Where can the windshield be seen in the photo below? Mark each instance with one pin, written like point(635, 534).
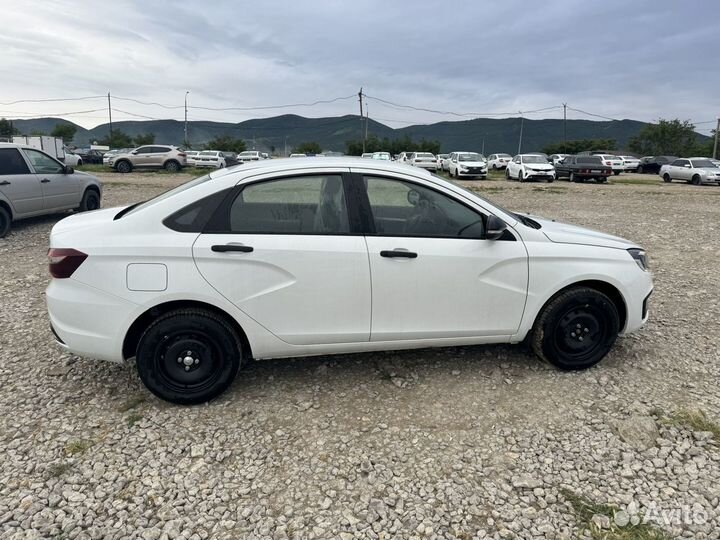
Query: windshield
point(139, 206)
point(423, 154)
point(470, 157)
point(248, 154)
point(208, 153)
point(534, 159)
point(505, 156)
point(703, 163)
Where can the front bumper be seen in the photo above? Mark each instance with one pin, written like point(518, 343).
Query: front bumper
point(472, 172)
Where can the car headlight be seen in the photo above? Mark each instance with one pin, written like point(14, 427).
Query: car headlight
point(640, 257)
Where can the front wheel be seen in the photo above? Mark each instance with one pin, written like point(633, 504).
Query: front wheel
point(188, 356)
point(616, 173)
point(576, 329)
point(667, 178)
point(123, 167)
point(695, 180)
point(5, 222)
point(507, 174)
point(640, 170)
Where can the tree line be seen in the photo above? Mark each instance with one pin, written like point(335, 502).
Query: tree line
point(394, 146)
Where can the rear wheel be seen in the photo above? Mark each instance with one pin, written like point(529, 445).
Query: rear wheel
point(188, 356)
point(640, 169)
point(576, 329)
point(616, 173)
point(90, 201)
point(5, 222)
point(123, 167)
point(667, 178)
point(601, 179)
point(172, 166)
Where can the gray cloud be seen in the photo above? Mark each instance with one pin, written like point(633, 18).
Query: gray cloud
point(644, 60)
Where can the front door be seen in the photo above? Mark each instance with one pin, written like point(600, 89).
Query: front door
point(433, 274)
point(60, 191)
point(18, 184)
point(284, 252)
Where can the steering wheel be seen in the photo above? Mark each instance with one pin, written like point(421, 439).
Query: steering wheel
point(466, 227)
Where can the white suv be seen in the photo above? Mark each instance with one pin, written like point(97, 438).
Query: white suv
point(285, 258)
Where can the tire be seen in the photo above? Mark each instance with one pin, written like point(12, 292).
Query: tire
point(172, 166)
point(90, 201)
point(188, 356)
point(602, 179)
point(667, 178)
point(494, 167)
point(520, 176)
point(640, 170)
point(5, 222)
point(79, 163)
point(555, 337)
point(507, 174)
point(616, 173)
point(695, 180)
point(550, 180)
point(123, 167)
point(572, 177)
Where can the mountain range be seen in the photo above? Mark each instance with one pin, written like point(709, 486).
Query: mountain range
point(273, 134)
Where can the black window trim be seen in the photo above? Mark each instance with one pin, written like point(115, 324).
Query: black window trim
point(219, 219)
point(369, 221)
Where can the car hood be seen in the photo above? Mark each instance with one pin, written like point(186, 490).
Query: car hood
point(709, 170)
point(539, 166)
point(472, 163)
point(564, 233)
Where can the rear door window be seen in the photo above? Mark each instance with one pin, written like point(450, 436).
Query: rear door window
point(12, 162)
point(42, 163)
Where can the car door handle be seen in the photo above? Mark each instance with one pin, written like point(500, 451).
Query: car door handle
point(223, 248)
point(44, 181)
point(398, 253)
point(5, 183)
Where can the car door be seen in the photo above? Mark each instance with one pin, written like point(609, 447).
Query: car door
point(157, 156)
point(562, 168)
point(286, 252)
point(433, 274)
point(60, 191)
point(18, 184)
point(681, 169)
point(514, 167)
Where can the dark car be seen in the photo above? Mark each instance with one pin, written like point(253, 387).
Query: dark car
point(230, 158)
point(581, 168)
point(90, 156)
point(652, 164)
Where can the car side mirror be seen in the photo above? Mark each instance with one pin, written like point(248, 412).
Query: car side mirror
point(67, 169)
point(495, 228)
point(134, 152)
point(687, 165)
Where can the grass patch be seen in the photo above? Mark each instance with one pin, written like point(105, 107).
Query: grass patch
point(58, 469)
point(638, 181)
point(134, 418)
point(584, 510)
point(77, 447)
point(550, 189)
point(131, 403)
point(696, 420)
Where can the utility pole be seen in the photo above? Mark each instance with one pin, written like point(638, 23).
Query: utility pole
point(286, 152)
point(367, 121)
point(717, 134)
point(564, 128)
point(483, 146)
point(360, 98)
point(186, 136)
point(522, 121)
point(110, 113)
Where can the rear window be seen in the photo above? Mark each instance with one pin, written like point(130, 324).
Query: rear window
point(11, 162)
point(139, 206)
point(590, 160)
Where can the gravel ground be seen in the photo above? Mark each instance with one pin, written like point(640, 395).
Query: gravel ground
point(476, 442)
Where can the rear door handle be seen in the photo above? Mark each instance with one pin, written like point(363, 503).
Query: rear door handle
point(398, 253)
point(5, 183)
point(44, 181)
point(223, 248)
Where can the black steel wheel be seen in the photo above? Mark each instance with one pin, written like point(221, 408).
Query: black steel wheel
point(576, 329)
point(5, 222)
point(188, 356)
point(667, 178)
point(696, 180)
point(90, 201)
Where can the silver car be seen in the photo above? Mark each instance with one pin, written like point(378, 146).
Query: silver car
point(697, 170)
point(32, 183)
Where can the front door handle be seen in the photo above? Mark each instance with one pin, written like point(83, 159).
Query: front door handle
point(44, 181)
point(398, 253)
point(223, 248)
point(5, 183)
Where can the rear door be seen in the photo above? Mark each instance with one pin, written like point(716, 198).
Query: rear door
point(433, 274)
point(286, 251)
point(18, 183)
point(60, 191)
point(158, 155)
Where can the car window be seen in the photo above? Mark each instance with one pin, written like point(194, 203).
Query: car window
point(402, 208)
point(143, 150)
point(42, 163)
point(300, 205)
point(702, 163)
point(12, 162)
point(160, 149)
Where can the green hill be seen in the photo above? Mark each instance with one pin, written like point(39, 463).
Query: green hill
point(500, 135)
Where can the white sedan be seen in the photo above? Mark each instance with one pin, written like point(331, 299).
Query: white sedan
point(499, 161)
point(630, 163)
point(423, 160)
point(467, 165)
point(210, 158)
point(287, 258)
point(525, 167)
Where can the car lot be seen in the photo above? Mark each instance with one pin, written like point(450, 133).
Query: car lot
point(458, 443)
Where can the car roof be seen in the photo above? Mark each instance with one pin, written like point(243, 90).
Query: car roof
point(15, 145)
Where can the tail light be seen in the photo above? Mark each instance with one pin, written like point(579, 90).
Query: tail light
point(181, 154)
point(63, 262)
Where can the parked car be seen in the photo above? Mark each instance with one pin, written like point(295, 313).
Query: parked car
point(367, 155)
point(298, 155)
point(71, 158)
point(235, 266)
point(210, 158)
point(110, 153)
point(630, 163)
point(499, 161)
point(249, 155)
point(33, 183)
point(445, 162)
point(652, 164)
point(524, 167)
point(155, 156)
point(424, 160)
point(190, 157)
point(231, 158)
point(557, 158)
point(696, 170)
point(403, 157)
point(440, 159)
point(614, 162)
point(467, 165)
point(90, 157)
point(581, 168)
point(383, 156)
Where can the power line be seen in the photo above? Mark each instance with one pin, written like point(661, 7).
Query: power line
point(49, 100)
point(286, 106)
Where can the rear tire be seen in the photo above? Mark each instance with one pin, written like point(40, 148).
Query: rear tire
point(640, 170)
point(5, 222)
point(616, 173)
point(188, 356)
point(90, 201)
point(172, 166)
point(123, 167)
point(667, 178)
point(576, 329)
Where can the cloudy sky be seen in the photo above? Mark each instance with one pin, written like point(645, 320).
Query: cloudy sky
point(641, 59)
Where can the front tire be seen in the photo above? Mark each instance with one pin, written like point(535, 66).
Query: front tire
point(507, 174)
point(188, 356)
point(616, 173)
point(576, 329)
point(696, 180)
point(123, 167)
point(667, 178)
point(90, 201)
point(640, 170)
point(5, 222)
